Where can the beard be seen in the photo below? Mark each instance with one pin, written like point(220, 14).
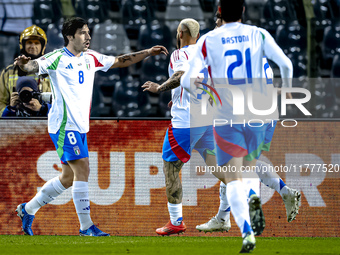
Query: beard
point(178, 43)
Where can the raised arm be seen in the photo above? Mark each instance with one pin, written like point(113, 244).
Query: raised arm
point(26, 64)
point(173, 82)
point(274, 52)
point(133, 58)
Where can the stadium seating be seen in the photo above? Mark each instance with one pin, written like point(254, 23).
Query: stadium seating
point(9, 49)
point(113, 9)
point(135, 13)
point(269, 21)
point(95, 11)
point(155, 69)
point(291, 37)
point(324, 17)
point(104, 85)
point(323, 13)
point(253, 11)
point(46, 12)
point(335, 82)
point(110, 38)
point(154, 33)
point(208, 5)
point(182, 9)
point(335, 74)
point(129, 100)
point(99, 107)
point(325, 97)
point(275, 13)
point(79, 7)
point(336, 67)
point(159, 5)
point(115, 5)
point(164, 99)
point(330, 44)
point(55, 39)
point(2, 60)
point(299, 61)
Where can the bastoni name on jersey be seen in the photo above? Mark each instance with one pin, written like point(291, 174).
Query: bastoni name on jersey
point(235, 39)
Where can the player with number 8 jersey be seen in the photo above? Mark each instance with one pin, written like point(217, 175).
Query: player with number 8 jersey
point(72, 83)
point(71, 70)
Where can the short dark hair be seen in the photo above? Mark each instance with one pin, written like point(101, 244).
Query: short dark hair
point(70, 27)
point(231, 10)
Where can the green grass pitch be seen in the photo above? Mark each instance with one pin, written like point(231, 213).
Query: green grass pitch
point(174, 245)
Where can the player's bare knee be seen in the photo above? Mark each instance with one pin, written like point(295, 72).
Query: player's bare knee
point(66, 180)
point(172, 167)
point(171, 172)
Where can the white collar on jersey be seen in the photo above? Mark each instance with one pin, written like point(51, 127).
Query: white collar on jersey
point(70, 53)
point(231, 24)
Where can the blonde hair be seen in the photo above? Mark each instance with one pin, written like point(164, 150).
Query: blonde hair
point(190, 26)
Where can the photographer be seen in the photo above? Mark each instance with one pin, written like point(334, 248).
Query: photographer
point(32, 43)
point(27, 101)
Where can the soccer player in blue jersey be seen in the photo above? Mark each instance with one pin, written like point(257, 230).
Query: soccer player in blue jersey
point(71, 71)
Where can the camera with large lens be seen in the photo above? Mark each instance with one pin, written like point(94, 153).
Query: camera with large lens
point(26, 96)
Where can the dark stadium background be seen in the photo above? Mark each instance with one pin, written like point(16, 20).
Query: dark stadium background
point(307, 31)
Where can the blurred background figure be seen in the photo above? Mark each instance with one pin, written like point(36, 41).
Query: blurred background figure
point(32, 43)
point(27, 102)
point(15, 16)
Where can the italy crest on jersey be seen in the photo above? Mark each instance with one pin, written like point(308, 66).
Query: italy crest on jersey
point(87, 64)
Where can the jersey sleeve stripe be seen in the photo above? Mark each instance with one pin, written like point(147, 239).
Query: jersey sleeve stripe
point(212, 80)
point(53, 52)
point(186, 55)
point(55, 64)
point(96, 62)
point(263, 36)
point(204, 50)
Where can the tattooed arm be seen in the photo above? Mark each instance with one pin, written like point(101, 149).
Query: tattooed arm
point(132, 58)
point(26, 64)
point(173, 82)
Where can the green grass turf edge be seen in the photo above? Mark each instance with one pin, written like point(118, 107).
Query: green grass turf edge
point(174, 245)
